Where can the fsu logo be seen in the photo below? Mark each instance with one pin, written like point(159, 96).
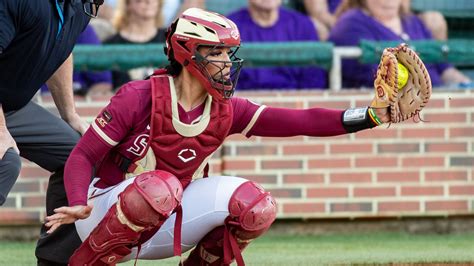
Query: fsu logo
point(139, 145)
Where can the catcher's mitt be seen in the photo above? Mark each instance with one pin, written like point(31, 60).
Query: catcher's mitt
point(407, 101)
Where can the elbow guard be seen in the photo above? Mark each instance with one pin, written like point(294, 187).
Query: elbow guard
point(356, 119)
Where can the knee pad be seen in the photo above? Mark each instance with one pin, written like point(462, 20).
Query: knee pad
point(252, 211)
point(151, 198)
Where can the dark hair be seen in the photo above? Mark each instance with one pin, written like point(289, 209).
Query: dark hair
point(174, 68)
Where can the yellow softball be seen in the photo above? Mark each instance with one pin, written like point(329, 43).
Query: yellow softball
point(402, 76)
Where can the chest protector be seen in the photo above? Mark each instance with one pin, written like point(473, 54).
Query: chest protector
point(185, 149)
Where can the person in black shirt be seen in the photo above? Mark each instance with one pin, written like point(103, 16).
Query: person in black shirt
point(136, 22)
point(36, 41)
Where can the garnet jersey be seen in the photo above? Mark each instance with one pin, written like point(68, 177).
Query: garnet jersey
point(125, 126)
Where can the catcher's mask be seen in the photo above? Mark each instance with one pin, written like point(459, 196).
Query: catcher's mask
point(197, 28)
point(91, 7)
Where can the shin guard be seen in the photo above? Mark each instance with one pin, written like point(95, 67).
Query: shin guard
point(143, 205)
point(252, 211)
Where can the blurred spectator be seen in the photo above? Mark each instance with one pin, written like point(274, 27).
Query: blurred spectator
point(171, 9)
point(103, 28)
point(382, 20)
point(323, 14)
point(90, 82)
point(103, 22)
point(136, 22)
point(267, 21)
point(107, 10)
point(433, 20)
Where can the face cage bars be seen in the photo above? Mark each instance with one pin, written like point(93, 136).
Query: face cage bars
point(218, 81)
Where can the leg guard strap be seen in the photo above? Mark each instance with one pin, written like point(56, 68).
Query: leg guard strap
point(230, 245)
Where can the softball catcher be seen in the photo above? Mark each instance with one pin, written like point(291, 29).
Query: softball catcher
point(151, 145)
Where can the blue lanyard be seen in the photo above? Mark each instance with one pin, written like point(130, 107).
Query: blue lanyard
point(61, 18)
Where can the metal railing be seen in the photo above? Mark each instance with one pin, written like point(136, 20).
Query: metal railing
point(335, 74)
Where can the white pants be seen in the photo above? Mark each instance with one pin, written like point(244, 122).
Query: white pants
point(205, 206)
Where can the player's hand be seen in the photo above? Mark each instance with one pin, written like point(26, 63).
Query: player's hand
point(6, 142)
point(77, 123)
point(383, 114)
point(67, 215)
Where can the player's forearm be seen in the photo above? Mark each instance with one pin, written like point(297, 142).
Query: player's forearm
point(79, 167)
point(60, 85)
point(77, 174)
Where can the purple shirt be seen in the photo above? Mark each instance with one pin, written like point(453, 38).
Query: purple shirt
point(85, 79)
point(355, 25)
point(291, 26)
point(333, 5)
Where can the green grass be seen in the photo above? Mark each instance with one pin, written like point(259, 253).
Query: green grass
point(375, 248)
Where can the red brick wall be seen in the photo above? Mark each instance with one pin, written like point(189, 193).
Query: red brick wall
point(409, 169)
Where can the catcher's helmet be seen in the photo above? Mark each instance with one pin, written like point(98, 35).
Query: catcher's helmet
point(196, 28)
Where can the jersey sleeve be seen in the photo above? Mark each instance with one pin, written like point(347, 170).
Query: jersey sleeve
point(246, 113)
point(117, 118)
point(285, 122)
point(252, 119)
point(79, 166)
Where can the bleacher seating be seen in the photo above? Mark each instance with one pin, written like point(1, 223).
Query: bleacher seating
point(459, 15)
point(443, 5)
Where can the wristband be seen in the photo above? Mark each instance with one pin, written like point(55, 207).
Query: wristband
point(356, 119)
point(374, 117)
